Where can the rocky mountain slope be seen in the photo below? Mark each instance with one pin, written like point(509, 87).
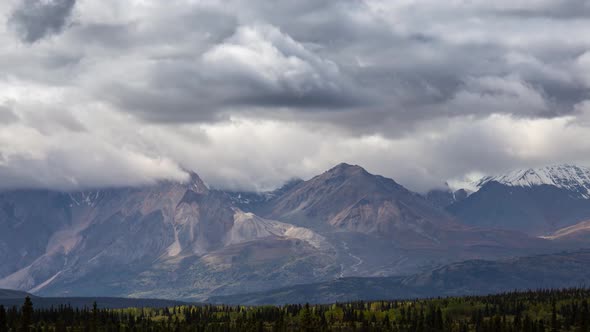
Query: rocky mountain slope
point(362, 214)
point(535, 201)
point(252, 201)
point(170, 240)
point(442, 198)
point(349, 198)
point(13, 294)
point(186, 241)
point(567, 269)
point(578, 232)
point(575, 179)
point(28, 220)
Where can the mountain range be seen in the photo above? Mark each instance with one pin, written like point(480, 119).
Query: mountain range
point(188, 241)
point(536, 201)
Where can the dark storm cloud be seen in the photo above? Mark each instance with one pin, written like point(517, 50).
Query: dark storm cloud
point(559, 9)
point(35, 19)
point(202, 63)
point(257, 66)
point(342, 56)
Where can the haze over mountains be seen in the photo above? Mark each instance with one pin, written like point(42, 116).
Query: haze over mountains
point(187, 241)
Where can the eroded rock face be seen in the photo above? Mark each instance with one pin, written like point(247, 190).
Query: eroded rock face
point(28, 220)
point(185, 241)
point(146, 240)
point(348, 198)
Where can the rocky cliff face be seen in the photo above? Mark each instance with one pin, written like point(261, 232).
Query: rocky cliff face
point(143, 241)
point(349, 198)
point(28, 220)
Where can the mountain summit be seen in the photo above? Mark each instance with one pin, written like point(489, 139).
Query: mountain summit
point(575, 179)
point(347, 197)
point(538, 201)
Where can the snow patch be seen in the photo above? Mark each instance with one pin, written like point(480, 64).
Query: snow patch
point(88, 198)
point(573, 178)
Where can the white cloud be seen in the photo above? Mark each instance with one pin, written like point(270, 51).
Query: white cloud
point(265, 55)
point(249, 94)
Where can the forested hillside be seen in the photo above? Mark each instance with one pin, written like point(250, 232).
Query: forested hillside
point(543, 310)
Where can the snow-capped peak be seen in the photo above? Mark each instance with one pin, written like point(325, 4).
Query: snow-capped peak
point(570, 177)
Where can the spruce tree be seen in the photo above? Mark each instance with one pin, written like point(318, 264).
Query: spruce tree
point(554, 327)
point(3, 320)
point(26, 315)
point(585, 317)
point(94, 323)
point(306, 319)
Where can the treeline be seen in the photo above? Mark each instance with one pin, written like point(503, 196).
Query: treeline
point(533, 311)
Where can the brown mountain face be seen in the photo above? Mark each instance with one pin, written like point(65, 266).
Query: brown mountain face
point(162, 240)
point(349, 198)
point(183, 240)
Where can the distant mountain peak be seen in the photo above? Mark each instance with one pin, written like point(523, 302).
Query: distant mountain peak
point(346, 168)
point(445, 197)
point(569, 177)
point(195, 183)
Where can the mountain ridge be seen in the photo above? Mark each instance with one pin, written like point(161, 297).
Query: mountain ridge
point(348, 197)
point(570, 177)
point(145, 233)
point(184, 240)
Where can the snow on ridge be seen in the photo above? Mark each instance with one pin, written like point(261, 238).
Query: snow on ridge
point(88, 198)
point(569, 177)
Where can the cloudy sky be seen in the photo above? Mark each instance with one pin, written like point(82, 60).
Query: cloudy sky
point(252, 93)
